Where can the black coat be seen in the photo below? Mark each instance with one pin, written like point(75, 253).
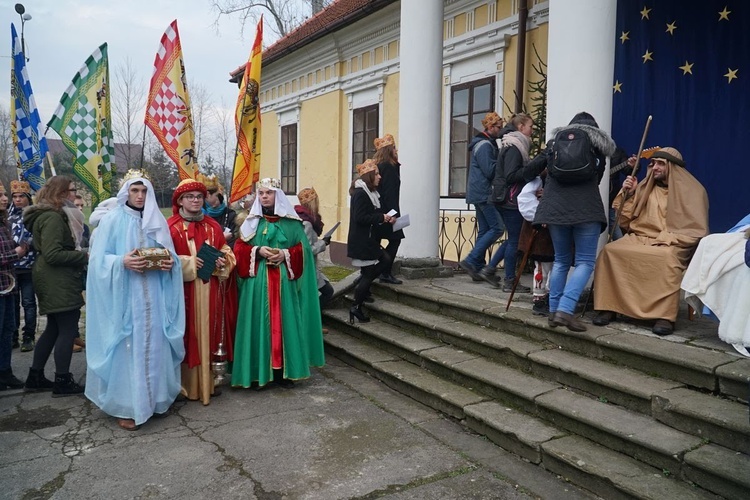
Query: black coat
point(365, 223)
point(390, 195)
point(509, 171)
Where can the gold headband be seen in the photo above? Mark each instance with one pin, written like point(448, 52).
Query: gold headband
point(135, 173)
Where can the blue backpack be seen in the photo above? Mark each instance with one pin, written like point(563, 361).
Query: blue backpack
point(573, 158)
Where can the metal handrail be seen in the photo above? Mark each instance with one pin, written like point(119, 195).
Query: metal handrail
point(459, 239)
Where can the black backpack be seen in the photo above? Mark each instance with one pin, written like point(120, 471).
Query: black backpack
point(573, 158)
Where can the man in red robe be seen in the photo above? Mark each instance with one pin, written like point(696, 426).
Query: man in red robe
point(210, 306)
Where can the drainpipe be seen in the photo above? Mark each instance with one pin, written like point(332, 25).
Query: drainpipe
point(523, 14)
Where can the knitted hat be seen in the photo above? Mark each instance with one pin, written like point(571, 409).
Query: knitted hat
point(307, 195)
point(183, 187)
point(386, 140)
point(367, 166)
point(491, 119)
point(670, 154)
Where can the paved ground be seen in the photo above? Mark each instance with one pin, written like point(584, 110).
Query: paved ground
point(340, 434)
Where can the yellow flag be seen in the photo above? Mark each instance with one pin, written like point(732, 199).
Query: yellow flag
point(247, 124)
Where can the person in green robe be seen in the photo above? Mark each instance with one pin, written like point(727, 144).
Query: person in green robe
point(279, 333)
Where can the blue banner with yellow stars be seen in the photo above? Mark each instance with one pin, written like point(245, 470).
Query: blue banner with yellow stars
point(688, 65)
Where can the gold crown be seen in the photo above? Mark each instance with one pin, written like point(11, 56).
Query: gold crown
point(210, 181)
point(269, 183)
point(135, 173)
point(307, 195)
point(386, 140)
point(367, 166)
point(20, 187)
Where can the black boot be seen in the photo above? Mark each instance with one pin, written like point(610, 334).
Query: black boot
point(389, 278)
point(37, 382)
point(9, 381)
point(65, 386)
point(357, 312)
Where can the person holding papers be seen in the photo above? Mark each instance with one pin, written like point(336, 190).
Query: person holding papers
point(210, 304)
point(309, 211)
point(386, 156)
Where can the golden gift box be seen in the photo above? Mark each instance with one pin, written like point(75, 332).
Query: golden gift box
point(154, 257)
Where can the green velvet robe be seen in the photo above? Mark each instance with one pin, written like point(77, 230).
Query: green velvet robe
point(278, 324)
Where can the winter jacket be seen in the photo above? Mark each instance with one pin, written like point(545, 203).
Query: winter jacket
point(509, 178)
point(58, 270)
point(390, 194)
point(365, 230)
point(571, 204)
point(481, 168)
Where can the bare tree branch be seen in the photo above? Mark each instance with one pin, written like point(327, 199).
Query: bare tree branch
point(285, 15)
point(128, 101)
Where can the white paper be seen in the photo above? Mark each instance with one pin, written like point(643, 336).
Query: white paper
point(392, 213)
point(401, 222)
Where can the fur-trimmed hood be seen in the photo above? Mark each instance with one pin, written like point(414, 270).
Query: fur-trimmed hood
point(601, 140)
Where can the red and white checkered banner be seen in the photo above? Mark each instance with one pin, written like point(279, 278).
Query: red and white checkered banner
point(168, 112)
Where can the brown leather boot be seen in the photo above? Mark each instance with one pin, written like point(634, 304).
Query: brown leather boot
point(570, 321)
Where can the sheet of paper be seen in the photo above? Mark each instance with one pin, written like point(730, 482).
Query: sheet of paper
point(401, 222)
point(392, 213)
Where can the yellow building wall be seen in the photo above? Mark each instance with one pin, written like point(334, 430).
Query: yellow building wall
point(536, 38)
point(269, 145)
point(319, 135)
point(504, 9)
point(390, 105)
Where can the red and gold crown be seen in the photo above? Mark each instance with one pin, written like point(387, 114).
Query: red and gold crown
point(210, 181)
point(307, 195)
point(367, 166)
point(20, 187)
point(386, 140)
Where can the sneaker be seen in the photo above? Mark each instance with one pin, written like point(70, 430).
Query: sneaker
point(469, 269)
point(27, 345)
point(508, 286)
point(488, 274)
point(541, 305)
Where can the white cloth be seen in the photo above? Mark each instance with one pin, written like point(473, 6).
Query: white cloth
point(527, 200)
point(282, 207)
point(153, 223)
point(718, 277)
point(101, 210)
point(373, 195)
point(520, 141)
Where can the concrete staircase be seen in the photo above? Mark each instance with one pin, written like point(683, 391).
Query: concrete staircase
point(621, 414)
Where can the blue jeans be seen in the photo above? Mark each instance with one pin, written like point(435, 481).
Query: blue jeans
point(618, 231)
point(564, 290)
point(27, 300)
point(513, 222)
point(490, 229)
point(7, 329)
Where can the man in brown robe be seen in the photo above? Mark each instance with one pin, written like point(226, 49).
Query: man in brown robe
point(639, 275)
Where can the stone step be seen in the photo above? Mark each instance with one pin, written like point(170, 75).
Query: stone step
point(402, 376)
point(725, 472)
point(685, 364)
point(633, 434)
point(548, 412)
point(715, 419)
point(621, 385)
point(613, 475)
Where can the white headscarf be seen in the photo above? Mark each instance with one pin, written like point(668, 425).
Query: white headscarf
point(153, 222)
point(101, 210)
point(282, 207)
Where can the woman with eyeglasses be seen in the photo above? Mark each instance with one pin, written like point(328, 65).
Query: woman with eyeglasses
point(58, 282)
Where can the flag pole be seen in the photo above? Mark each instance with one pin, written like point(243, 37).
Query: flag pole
point(143, 146)
point(51, 164)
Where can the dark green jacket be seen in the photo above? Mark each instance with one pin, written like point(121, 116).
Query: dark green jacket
point(58, 271)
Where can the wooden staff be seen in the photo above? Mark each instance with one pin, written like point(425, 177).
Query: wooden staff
point(626, 194)
point(524, 260)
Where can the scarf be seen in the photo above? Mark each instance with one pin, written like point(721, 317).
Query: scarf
point(373, 195)
point(215, 211)
point(195, 232)
point(75, 221)
point(314, 219)
point(520, 141)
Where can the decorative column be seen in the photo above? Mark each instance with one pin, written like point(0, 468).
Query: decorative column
point(419, 125)
point(580, 64)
